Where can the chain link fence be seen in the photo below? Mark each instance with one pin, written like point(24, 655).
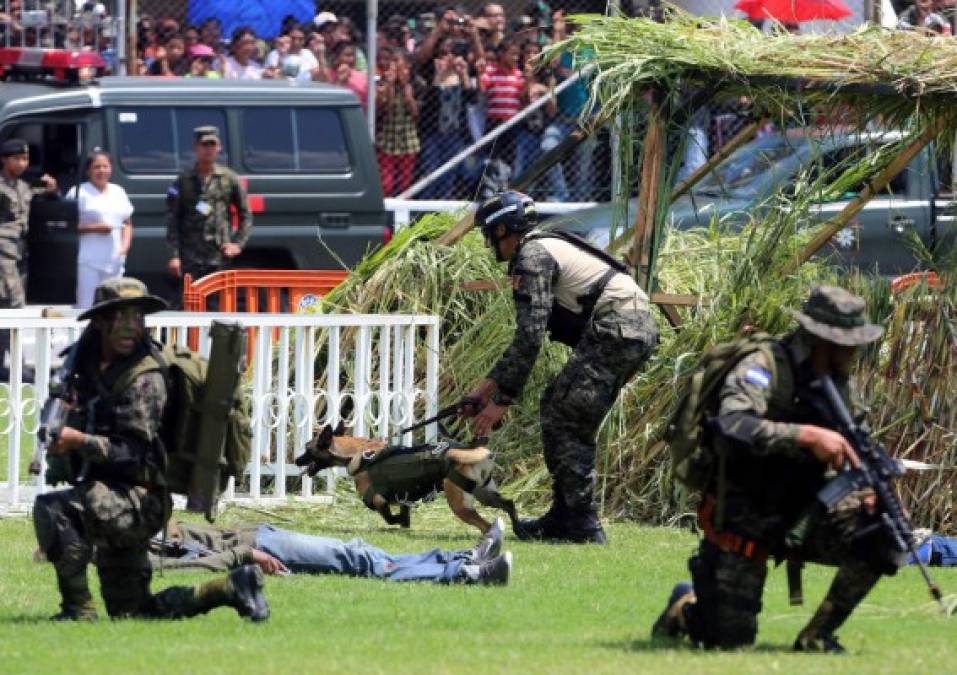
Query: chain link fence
point(444, 74)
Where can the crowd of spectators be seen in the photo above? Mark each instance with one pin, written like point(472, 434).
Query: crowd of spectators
point(442, 80)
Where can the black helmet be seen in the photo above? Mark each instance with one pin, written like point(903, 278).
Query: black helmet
point(514, 210)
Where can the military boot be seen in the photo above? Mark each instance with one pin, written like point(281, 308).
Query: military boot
point(583, 527)
point(548, 526)
point(818, 642)
point(76, 603)
point(242, 590)
point(671, 622)
point(248, 597)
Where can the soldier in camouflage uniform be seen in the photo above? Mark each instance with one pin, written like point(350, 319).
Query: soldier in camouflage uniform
point(15, 198)
point(583, 298)
point(198, 228)
point(771, 434)
point(112, 445)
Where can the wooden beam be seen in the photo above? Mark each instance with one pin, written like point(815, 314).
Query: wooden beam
point(651, 158)
point(873, 187)
point(736, 141)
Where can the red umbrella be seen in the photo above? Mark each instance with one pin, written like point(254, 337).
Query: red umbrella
point(794, 11)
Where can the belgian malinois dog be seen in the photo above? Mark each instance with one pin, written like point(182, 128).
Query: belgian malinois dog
point(399, 475)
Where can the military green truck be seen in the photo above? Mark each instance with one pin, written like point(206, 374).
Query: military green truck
point(303, 149)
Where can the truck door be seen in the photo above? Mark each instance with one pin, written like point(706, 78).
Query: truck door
point(879, 236)
point(57, 145)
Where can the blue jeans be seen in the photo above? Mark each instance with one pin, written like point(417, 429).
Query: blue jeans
point(437, 149)
point(308, 554)
point(938, 550)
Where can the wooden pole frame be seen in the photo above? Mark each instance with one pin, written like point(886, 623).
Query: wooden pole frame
point(736, 141)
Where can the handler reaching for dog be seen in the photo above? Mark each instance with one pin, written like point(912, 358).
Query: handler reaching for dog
point(584, 298)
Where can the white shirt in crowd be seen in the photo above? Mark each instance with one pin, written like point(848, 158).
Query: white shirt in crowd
point(99, 257)
point(307, 63)
point(236, 71)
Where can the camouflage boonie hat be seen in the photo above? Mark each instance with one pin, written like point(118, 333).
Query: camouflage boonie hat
point(835, 315)
point(206, 133)
point(122, 292)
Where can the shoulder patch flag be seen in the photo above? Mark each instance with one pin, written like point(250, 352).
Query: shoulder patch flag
point(758, 376)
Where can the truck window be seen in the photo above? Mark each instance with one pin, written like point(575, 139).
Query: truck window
point(160, 140)
point(282, 139)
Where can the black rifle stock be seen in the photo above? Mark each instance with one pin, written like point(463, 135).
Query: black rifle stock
point(877, 472)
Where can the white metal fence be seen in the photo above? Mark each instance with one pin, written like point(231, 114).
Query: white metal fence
point(390, 363)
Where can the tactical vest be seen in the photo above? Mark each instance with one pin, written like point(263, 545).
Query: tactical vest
point(408, 474)
point(405, 474)
point(566, 325)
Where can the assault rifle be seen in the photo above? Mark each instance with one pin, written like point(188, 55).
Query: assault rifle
point(877, 472)
point(60, 401)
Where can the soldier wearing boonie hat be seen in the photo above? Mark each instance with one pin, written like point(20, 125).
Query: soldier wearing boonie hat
point(773, 444)
point(111, 452)
point(199, 234)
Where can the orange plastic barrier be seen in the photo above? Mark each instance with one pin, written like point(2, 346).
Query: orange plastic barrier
point(302, 287)
point(902, 283)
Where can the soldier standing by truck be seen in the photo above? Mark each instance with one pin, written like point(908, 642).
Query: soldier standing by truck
point(198, 229)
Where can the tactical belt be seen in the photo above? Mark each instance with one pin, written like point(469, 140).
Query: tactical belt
point(729, 542)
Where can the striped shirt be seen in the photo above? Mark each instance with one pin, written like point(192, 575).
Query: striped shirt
point(503, 91)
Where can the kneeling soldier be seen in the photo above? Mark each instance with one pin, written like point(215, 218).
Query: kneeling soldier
point(774, 450)
point(118, 500)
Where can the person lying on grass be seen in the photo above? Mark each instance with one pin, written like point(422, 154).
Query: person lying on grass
point(279, 551)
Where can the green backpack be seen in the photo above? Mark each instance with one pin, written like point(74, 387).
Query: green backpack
point(206, 430)
point(693, 459)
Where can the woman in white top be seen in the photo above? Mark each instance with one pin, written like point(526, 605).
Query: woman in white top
point(106, 230)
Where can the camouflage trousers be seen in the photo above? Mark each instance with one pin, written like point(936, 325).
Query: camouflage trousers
point(728, 586)
point(575, 403)
point(111, 525)
point(12, 294)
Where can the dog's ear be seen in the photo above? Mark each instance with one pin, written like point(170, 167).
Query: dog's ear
point(324, 438)
point(340, 429)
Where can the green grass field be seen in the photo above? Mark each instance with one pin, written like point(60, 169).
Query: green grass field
point(568, 609)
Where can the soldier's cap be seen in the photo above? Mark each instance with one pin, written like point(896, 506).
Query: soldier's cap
point(837, 316)
point(206, 133)
point(14, 146)
point(123, 292)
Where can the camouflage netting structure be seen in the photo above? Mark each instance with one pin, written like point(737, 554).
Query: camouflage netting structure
point(743, 278)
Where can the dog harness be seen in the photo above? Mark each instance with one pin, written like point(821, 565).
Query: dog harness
point(404, 474)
